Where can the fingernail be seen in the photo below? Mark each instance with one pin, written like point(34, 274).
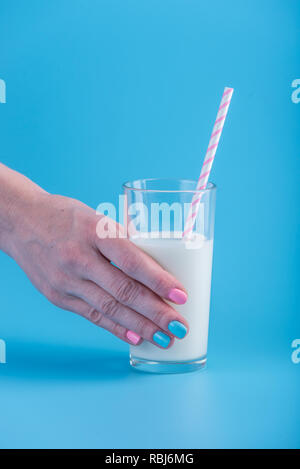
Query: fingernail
point(133, 337)
point(161, 339)
point(178, 329)
point(178, 296)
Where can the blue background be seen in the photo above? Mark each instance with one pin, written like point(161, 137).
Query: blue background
point(99, 92)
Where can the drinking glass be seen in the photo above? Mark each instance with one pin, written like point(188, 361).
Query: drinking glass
point(155, 214)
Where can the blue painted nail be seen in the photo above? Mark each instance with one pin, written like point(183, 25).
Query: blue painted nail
point(161, 339)
point(178, 329)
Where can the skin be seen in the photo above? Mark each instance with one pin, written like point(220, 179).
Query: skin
point(54, 240)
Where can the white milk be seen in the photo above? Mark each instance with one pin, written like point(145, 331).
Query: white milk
point(191, 264)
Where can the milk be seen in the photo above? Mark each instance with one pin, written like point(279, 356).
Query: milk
point(191, 263)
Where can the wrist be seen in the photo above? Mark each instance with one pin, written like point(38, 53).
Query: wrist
point(18, 198)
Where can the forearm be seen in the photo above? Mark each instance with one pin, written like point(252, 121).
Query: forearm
point(17, 196)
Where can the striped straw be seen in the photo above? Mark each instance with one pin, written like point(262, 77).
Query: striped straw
point(208, 160)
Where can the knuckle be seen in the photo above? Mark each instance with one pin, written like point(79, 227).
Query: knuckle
point(59, 281)
point(127, 291)
point(160, 284)
point(129, 263)
point(86, 263)
point(118, 330)
point(71, 254)
point(144, 328)
point(95, 316)
point(158, 317)
point(109, 307)
point(54, 297)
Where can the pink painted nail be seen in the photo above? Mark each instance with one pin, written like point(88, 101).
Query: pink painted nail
point(133, 337)
point(178, 296)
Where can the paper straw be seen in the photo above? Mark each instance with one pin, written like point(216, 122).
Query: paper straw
point(208, 160)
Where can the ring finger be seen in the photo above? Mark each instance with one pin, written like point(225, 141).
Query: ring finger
point(106, 305)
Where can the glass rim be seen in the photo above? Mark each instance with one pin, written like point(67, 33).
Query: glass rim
point(210, 186)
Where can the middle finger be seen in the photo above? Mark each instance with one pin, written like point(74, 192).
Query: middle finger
point(135, 295)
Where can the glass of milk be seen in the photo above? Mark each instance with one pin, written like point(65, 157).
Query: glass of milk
point(155, 212)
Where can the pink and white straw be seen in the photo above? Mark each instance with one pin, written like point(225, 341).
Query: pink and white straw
point(208, 160)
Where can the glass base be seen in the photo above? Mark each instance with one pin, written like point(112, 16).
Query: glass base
point(150, 366)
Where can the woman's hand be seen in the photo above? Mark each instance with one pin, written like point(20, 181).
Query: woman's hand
point(54, 240)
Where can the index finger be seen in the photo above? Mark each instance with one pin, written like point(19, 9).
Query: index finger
point(142, 267)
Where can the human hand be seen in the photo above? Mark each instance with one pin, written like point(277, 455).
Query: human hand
point(56, 244)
